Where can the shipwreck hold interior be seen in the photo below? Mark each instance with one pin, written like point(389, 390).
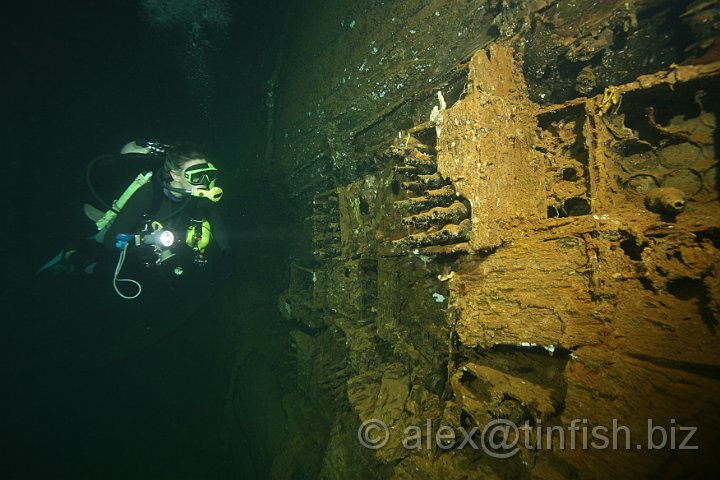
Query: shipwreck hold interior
point(510, 212)
point(452, 215)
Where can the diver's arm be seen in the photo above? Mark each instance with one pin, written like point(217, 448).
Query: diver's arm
point(130, 217)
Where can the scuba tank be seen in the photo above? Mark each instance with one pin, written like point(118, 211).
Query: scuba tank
point(155, 240)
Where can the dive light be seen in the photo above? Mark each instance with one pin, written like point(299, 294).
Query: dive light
point(159, 238)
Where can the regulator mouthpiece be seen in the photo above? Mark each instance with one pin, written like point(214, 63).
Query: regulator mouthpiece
point(213, 194)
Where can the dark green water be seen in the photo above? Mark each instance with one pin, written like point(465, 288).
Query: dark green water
point(92, 388)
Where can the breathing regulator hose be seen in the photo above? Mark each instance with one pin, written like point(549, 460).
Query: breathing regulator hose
point(118, 267)
point(159, 239)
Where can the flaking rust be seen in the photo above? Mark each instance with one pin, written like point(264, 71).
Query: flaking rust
point(617, 270)
point(534, 263)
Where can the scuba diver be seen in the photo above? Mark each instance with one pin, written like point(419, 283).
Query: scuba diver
point(153, 262)
point(163, 228)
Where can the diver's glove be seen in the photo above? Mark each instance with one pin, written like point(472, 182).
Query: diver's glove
point(227, 261)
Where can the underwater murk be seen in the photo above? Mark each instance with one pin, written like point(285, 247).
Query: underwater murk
point(465, 240)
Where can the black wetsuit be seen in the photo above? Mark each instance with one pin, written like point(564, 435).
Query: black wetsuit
point(153, 202)
point(85, 323)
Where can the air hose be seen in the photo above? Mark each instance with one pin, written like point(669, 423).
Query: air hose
point(118, 267)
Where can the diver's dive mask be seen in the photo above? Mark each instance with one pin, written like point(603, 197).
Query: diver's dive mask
point(203, 174)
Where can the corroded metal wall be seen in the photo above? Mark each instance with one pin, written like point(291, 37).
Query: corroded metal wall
point(583, 287)
point(353, 73)
point(512, 214)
